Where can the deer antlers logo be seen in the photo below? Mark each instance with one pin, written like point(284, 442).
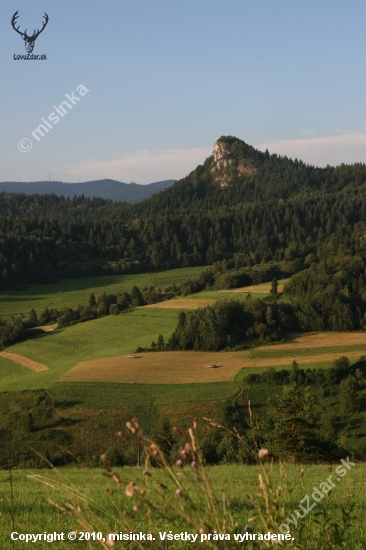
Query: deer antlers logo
point(29, 41)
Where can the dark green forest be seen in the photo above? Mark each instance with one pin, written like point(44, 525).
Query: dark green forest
point(258, 208)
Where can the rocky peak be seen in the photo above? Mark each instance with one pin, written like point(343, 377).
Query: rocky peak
point(218, 153)
point(226, 164)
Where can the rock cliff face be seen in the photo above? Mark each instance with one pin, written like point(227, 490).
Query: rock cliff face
point(226, 166)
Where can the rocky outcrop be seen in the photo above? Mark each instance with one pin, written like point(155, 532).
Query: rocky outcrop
point(226, 167)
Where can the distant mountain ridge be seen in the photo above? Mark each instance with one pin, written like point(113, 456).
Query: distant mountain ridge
point(106, 189)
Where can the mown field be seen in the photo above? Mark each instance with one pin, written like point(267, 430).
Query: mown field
point(33, 511)
point(97, 351)
point(89, 373)
point(62, 349)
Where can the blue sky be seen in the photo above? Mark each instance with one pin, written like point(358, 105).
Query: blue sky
point(166, 78)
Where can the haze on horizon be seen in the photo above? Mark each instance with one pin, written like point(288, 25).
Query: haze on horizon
point(166, 80)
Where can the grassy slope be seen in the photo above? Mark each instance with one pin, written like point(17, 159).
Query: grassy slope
point(121, 334)
point(72, 292)
point(60, 350)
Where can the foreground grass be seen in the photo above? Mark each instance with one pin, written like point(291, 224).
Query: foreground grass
point(33, 513)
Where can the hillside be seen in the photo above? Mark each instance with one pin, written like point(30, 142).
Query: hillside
point(237, 172)
point(106, 189)
point(240, 203)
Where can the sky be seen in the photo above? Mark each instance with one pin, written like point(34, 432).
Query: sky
point(162, 80)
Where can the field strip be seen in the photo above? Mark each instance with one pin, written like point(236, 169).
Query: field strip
point(177, 367)
point(260, 289)
point(318, 340)
point(300, 352)
point(183, 303)
point(23, 361)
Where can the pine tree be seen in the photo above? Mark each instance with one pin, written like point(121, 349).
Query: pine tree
point(274, 287)
point(348, 395)
point(92, 301)
point(32, 319)
point(291, 431)
point(137, 297)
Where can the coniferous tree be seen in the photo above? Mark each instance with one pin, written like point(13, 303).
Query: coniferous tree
point(92, 301)
point(291, 431)
point(348, 395)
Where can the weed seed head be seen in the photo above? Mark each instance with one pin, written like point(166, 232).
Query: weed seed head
point(131, 489)
point(154, 449)
point(263, 454)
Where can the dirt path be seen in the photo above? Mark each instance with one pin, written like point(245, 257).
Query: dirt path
point(96, 341)
point(24, 361)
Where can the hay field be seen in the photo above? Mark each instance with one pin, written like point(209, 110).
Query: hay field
point(319, 339)
point(182, 367)
point(166, 367)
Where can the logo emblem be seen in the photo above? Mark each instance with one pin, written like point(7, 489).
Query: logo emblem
point(29, 41)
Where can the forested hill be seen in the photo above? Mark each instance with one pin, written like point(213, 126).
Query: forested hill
point(241, 202)
point(236, 172)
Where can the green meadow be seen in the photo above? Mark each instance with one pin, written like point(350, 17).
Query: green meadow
point(63, 348)
point(72, 292)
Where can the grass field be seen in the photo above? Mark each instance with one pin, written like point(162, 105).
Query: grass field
point(62, 349)
point(96, 388)
point(33, 513)
point(72, 292)
point(88, 368)
point(97, 352)
point(184, 367)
